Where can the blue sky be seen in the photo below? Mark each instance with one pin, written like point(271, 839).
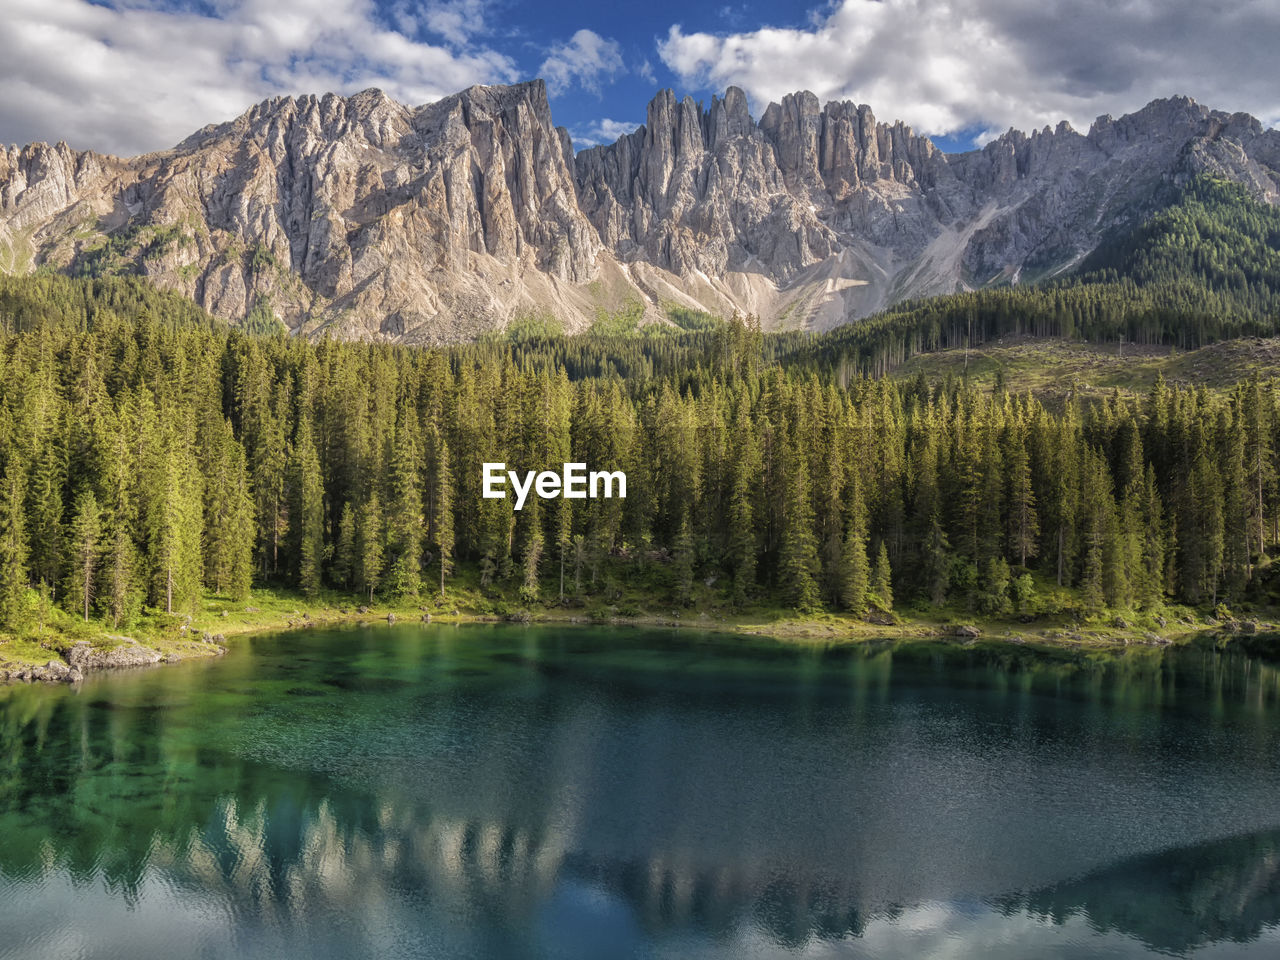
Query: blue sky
point(638, 29)
point(126, 76)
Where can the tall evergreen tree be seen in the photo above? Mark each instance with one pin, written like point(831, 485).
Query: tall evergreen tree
point(404, 511)
point(84, 551)
point(13, 545)
point(370, 547)
point(882, 580)
point(307, 508)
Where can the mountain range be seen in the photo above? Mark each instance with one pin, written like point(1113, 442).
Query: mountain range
point(370, 219)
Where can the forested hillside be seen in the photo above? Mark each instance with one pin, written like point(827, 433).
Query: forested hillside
point(1204, 268)
point(144, 461)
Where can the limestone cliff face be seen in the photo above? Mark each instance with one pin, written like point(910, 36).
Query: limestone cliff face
point(371, 219)
point(356, 214)
point(696, 190)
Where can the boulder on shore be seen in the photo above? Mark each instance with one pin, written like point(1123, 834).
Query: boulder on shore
point(84, 656)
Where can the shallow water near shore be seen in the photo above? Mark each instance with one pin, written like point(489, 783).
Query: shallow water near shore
point(534, 791)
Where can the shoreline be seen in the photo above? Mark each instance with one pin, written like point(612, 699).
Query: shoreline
point(62, 659)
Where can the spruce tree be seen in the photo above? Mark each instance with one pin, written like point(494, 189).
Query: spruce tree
point(404, 511)
point(882, 580)
point(798, 553)
point(229, 528)
point(937, 563)
point(682, 563)
point(119, 590)
point(13, 546)
point(307, 509)
point(174, 524)
point(45, 509)
point(344, 554)
point(83, 551)
point(442, 532)
point(370, 547)
point(1024, 522)
point(855, 572)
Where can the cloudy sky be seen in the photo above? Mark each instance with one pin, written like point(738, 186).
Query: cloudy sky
point(127, 76)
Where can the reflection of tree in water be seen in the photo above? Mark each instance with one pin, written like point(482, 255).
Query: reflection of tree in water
point(120, 800)
point(122, 791)
point(1177, 900)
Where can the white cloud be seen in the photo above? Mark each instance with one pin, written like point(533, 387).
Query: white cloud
point(601, 131)
point(458, 21)
point(587, 59)
point(142, 78)
point(645, 72)
point(948, 65)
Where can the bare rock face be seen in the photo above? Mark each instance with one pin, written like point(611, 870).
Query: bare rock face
point(1056, 193)
point(370, 219)
point(696, 190)
point(356, 214)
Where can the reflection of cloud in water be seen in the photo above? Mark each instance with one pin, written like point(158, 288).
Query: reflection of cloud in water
point(754, 809)
point(264, 867)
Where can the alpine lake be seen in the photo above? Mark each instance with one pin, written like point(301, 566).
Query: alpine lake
point(512, 791)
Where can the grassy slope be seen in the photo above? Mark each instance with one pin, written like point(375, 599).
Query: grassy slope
point(1051, 368)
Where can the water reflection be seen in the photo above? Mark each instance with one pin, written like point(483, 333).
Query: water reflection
point(1176, 900)
point(533, 793)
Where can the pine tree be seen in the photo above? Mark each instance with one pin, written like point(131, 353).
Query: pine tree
point(742, 544)
point(1202, 544)
point(993, 598)
point(1098, 578)
point(83, 551)
point(307, 509)
point(991, 493)
point(344, 556)
point(937, 563)
point(370, 549)
point(855, 569)
point(229, 527)
point(530, 588)
point(1149, 587)
point(45, 509)
point(1259, 459)
point(1024, 523)
point(119, 591)
point(882, 580)
point(442, 534)
point(13, 546)
point(798, 553)
point(404, 512)
point(682, 563)
point(174, 523)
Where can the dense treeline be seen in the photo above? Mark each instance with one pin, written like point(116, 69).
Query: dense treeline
point(142, 462)
point(1178, 313)
point(28, 301)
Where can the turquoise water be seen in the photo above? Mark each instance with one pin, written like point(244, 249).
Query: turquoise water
point(503, 792)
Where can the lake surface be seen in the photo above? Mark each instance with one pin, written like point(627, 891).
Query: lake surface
point(512, 792)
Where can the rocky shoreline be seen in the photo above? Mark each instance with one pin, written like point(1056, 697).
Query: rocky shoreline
point(83, 658)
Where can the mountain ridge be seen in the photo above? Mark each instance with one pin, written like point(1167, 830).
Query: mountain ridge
point(375, 220)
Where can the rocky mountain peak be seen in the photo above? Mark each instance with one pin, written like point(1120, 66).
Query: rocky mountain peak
point(374, 219)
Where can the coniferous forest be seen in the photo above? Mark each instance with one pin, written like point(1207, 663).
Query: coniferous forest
point(150, 454)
